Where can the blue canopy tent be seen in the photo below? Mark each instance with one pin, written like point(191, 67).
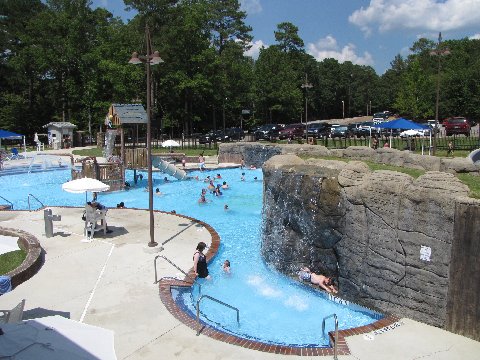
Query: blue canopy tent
point(4, 134)
point(404, 124)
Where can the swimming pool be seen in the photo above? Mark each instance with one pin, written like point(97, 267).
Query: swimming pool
point(273, 308)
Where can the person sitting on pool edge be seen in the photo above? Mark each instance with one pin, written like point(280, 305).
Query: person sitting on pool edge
point(324, 282)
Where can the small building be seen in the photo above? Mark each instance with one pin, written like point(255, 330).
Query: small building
point(60, 134)
point(121, 114)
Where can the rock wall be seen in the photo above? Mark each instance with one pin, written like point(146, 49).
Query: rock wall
point(370, 227)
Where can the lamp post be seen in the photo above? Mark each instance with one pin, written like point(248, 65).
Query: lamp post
point(148, 59)
point(438, 52)
point(343, 109)
point(306, 85)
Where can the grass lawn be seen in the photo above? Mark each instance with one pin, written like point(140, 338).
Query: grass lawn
point(473, 182)
point(11, 260)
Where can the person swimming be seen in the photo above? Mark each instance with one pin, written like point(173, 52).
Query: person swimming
point(326, 283)
point(226, 266)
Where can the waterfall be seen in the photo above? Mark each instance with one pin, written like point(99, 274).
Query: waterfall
point(109, 143)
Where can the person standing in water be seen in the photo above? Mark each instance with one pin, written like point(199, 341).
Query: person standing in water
point(200, 261)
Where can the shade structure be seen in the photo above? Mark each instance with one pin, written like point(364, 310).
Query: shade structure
point(170, 143)
point(79, 186)
point(56, 337)
point(411, 132)
point(402, 124)
point(4, 134)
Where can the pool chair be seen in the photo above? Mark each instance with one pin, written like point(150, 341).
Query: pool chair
point(14, 315)
point(92, 219)
point(14, 154)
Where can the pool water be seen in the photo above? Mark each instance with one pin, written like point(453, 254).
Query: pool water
point(273, 308)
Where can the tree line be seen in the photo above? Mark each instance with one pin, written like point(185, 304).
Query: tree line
point(61, 60)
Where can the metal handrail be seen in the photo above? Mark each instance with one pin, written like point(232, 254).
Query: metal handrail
point(171, 263)
point(35, 199)
point(335, 341)
point(11, 204)
point(218, 301)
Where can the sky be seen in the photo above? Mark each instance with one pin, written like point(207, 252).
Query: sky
point(365, 32)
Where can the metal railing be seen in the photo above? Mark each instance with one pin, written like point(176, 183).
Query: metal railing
point(335, 341)
point(33, 196)
point(175, 266)
point(217, 301)
point(11, 204)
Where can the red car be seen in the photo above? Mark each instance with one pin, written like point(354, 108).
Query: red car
point(457, 125)
point(292, 131)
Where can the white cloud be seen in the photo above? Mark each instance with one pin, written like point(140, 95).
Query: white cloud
point(255, 49)
point(327, 47)
point(432, 15)
point(475, 37)
point(251, 6)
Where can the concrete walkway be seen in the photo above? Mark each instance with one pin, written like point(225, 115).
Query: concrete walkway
point(109, 282)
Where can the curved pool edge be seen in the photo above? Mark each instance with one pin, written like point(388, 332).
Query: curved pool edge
point(165, 292)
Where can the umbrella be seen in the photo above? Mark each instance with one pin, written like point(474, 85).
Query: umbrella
point(84, 185)
point(170, 144)
point(55, 337)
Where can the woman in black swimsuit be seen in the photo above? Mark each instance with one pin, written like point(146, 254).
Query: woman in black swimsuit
point(200, 262)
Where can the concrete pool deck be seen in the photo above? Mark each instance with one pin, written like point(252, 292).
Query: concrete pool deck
point(109, 282)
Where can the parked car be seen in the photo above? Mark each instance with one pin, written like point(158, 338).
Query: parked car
point(213, 136)
point(457, 125)
point(292, 131)
point(267, 132)
point(319, 130)
point(340, 131)
point(380, 117)
point(367, 128)
point(235, 133)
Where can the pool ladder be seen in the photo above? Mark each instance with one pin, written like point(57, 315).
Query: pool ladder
point(217, 301)
point(335, 340)
point(11, 204)
point(33, 196)
point(175, 266)
point(199, 291)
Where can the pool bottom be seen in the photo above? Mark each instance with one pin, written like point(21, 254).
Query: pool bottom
point(168, 287)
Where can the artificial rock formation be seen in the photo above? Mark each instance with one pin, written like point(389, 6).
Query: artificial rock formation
point(375, 229)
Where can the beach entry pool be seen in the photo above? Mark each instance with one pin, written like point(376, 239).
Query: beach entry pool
point(273, 308)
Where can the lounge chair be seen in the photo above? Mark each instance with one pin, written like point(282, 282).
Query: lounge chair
point(14, 315)
point(14, 155)
point(92, 217)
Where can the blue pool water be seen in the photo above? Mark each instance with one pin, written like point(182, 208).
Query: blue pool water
point(273, 307)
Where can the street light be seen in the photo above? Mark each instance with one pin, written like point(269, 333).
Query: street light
point(343, 109)
point(148, 59)
point(438, 52)
point(306, 85)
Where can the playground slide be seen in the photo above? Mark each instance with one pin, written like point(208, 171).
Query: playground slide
point(168, 168)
